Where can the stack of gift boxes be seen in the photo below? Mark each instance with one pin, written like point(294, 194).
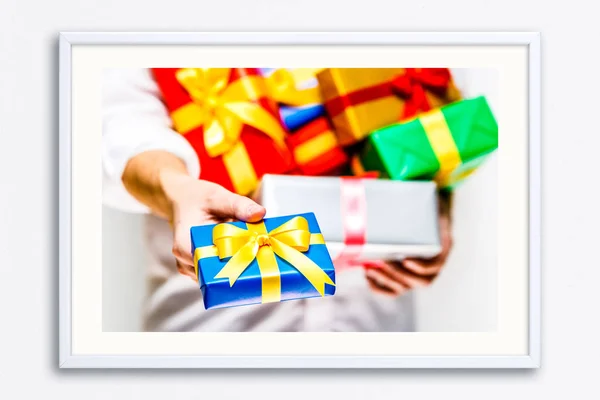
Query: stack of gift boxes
point(363, 151)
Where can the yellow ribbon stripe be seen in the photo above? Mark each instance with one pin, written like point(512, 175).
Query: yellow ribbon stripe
point(443, 145)
point(241, 171)
point(288, 241)
point(315, 147)
point(222, 109)
point(283, 88)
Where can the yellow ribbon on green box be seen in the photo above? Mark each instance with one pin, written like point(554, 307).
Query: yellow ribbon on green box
point(288, 241)
point(446, 144)
point(443, 145)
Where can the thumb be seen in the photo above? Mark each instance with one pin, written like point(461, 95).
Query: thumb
point(226, 204)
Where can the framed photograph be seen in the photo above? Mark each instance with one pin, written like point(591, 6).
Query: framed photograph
point(300, 200)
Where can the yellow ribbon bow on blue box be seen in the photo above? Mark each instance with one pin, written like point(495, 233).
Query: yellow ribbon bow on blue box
point(277, 259)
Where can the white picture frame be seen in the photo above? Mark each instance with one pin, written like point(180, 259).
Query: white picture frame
point(70, 336)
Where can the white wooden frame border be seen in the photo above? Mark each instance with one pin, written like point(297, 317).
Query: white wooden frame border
point(529, 39)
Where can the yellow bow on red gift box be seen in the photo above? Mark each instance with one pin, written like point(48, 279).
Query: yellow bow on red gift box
point(288, 241)
point(222, 108)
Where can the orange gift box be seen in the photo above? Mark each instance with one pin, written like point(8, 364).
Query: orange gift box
point(316, 149)
point(360, 100)
point(228, 118)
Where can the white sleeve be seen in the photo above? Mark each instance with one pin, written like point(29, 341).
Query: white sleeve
point(135, 120)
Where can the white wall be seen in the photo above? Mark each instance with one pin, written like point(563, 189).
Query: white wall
point(463, 298)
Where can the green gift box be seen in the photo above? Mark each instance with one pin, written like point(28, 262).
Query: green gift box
point(445, 144)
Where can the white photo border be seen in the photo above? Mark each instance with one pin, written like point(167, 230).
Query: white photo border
point(76, 359)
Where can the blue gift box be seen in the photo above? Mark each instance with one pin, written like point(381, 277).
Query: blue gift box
point(278, 259)
point(294, 117)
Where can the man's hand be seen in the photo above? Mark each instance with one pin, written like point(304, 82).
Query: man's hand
point(396, 278)
point(197, 202)
point(161, 181)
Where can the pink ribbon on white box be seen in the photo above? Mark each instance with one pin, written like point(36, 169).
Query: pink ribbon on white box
point(353, 207)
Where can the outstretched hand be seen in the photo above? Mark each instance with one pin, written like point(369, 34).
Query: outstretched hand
point(197, 202)
point(161, 181)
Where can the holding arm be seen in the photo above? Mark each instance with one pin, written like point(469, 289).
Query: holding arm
point(159, 180)
point(148, 167)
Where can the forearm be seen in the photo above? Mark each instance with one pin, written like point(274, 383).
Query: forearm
point(139, 144)
point(147, 177)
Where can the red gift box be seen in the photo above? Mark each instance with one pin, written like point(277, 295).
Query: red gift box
point(316, 149)
point(228, 118)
